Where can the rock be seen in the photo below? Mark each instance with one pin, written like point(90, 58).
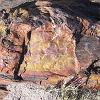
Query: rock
point(7, 4)
point(51, 52)
point(49, 40)
point(87, 50)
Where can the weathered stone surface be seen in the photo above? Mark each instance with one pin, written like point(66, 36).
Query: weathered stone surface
point(51, 52)
point(88, 50)
point(7, 4)
point(49, 40)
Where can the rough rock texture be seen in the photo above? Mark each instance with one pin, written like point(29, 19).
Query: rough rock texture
point(50, 42)
point(51, 53)
point(88, 49)
point(30, 91)
point(47, 41)
point(3, 94)
point(7, 4)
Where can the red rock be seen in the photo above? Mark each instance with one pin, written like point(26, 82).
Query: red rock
point(63, 44)
point(52, 52)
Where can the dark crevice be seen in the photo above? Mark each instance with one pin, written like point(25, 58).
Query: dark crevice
point(3, 87)
point(17, 67)
point(92, 69)
point(24, 51)
point(79, 93)
point(29, 35)
point(77, 36)
point(7, 31)
point(81, 8)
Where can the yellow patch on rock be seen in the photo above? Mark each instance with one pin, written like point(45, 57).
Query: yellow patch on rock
point(51, 52)
point(2, 28)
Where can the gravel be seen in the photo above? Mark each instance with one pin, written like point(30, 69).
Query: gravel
point(28, 91)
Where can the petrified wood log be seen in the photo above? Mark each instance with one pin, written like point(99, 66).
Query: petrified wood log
point(47, 41)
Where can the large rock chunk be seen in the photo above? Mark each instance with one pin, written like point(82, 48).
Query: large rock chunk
point(51, 53)
point(88, 50)
point(49, 40)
